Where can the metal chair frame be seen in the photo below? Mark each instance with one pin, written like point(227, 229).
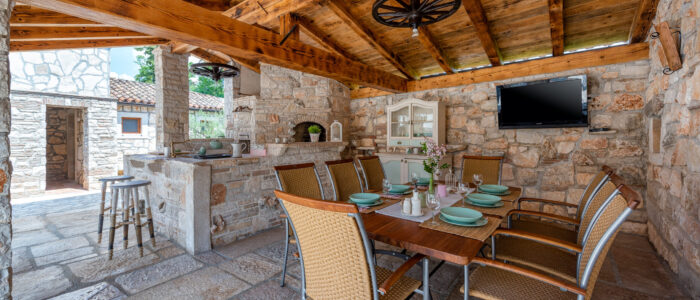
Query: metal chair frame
point(369, 258)
point(330, 176)
point(286, 220)
point(364, 173)
point(582, 281)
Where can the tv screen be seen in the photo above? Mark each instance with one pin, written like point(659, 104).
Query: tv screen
point(558, 102)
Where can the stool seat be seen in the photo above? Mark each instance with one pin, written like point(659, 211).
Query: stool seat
point(131, 184)
point(116, 178)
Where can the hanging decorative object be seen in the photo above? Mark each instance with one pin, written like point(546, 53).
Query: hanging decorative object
point(214, 71)
point(414, 14)
point(336, 131)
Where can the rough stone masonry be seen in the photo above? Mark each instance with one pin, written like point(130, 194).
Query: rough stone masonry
point(5, 166)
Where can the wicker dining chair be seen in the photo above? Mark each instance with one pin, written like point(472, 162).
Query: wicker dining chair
point(550, 229)
point(301, 180)
point(345, 178)
point(337, 261)
point(372, 172)
point(488, 166)
point(498, 280)
point(555, 256)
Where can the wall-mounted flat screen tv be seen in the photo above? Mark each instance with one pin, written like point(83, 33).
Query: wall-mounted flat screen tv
point(557, 102)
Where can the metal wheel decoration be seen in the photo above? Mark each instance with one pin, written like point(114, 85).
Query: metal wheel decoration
point(413, 13)
point(214, 71)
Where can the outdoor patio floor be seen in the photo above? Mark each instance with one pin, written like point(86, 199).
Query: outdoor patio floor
point(55, 253)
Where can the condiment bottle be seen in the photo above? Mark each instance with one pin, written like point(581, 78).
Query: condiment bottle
point(406, 206)
point(416, 209)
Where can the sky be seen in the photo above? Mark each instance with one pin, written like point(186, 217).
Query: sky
point(123, 62)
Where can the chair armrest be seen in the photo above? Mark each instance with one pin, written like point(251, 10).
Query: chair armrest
point(527, 273)
point(543, 215)
point(539, 238)
point(386, 285)
point(560, 203)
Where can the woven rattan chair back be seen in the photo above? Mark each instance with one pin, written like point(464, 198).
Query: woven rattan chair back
point(344, 178)
point(607, 190)
point(301, 180)
point(373, 172)
point(593, 187)
point(488, 166)
point(605, 219)
point(332, 248)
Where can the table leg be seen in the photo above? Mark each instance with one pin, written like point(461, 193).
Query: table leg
point(101, 217)
point(426, 279)
point(466, 282)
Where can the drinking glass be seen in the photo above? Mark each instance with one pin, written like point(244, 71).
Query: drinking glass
point(478, 180)
point(414, 180)
point(433, 203)
point(465, 190)
point(386, 185)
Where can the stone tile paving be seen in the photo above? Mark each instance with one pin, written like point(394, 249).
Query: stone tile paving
point(58, 256)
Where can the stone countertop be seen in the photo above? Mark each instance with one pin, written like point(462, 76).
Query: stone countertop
point(191, 160)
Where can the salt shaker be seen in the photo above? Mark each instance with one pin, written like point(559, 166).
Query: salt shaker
point(406, 206)
point(415, 205)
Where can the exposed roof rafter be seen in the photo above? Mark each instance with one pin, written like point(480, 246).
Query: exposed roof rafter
point(642, 20)
point(478, 18)
point(321, 38)
point(87, 43)
point(67, 33)
point(431, 44)
point(556, 26)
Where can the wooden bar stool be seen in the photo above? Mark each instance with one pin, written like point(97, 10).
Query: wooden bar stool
point(107, 181)
point(128, 192)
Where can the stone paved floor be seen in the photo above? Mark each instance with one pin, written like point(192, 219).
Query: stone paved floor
point(55, 254)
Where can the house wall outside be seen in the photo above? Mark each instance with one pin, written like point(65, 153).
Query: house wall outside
point(551, 163)
point(673, 177)
point(135, 143)
point(66, 79)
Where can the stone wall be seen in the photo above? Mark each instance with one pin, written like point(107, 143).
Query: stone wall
point(144, 142)
point(172, 97)
point(289, 97)
point(552, 163)
point(82, 72)
point(5, 165)
point(95, 148)
point(673, 102)
point(57, 143)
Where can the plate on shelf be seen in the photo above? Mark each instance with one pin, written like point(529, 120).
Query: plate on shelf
point(478, 223)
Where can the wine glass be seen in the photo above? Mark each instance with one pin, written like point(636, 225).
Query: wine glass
point(478, 180)
point(465, 190)
point(386, 185)
point(414, 180)
point(433, 203)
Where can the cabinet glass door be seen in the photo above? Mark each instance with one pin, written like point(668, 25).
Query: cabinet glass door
point(423, 120)
point(392, 168)
point(416, 166)
point(401, 122)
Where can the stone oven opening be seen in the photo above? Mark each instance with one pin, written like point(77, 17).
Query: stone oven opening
point(301, 132)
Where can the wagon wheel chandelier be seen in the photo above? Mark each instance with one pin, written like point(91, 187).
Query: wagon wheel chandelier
point(398, 13)
point(214, 71)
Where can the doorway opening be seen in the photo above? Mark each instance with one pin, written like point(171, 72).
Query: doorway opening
point(64, 149)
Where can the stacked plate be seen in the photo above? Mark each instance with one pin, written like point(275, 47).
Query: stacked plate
point(494, 189)
point(398, 189)
point(366, 199)
point(462, 216)
point(484, 200)
point(423, 181)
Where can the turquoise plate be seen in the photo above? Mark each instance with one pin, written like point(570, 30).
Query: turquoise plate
point(378, 202)
point(461, 214)
point(364, 198)
point(494, 188)
point(478, 223)
point(483, 198)
point(423, 181)
point(506, 193)
point(495, 205)
point(399, 189)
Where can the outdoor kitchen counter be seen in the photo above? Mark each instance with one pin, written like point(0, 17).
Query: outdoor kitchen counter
point(200, 203)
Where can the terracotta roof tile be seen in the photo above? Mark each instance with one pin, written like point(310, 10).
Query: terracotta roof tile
point(128, 91)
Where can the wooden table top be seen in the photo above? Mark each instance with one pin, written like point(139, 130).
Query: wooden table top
point(409, 235)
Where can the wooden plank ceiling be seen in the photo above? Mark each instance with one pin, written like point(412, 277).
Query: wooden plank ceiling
point(481, 34)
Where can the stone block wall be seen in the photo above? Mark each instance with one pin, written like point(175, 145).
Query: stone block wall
point(5, 164)
point(673, 177)
point(82, 72)
point(172, 97)
point(289, 97)
point(57, 142)
point(142, 143)
point(554, 163)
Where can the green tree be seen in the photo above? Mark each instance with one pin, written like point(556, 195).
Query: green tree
point(146, 64)
point(206, 85)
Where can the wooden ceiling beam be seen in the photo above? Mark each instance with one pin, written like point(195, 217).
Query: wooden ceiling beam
point(586, 59)
point(215, 5)
point(181, 48)
point(208, 56)
point(78, 44)
point(191, 24)
point(264, 12)
point(481, 26)
point(287, 26)
point(65, 32)
point(26, 15)
point(221, 58)
point(556, 26)
point(433, 47)
point(641, 23)
point(342, 12)
point(321, 38)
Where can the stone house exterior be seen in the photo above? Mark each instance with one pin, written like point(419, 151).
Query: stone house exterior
point(67, 118)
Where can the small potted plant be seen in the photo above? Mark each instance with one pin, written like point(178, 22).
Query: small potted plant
point(315, 133)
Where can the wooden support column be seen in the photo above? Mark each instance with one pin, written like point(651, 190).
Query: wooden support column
point(172, 97)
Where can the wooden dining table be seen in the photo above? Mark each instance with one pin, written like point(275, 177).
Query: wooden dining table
point(409, 235)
